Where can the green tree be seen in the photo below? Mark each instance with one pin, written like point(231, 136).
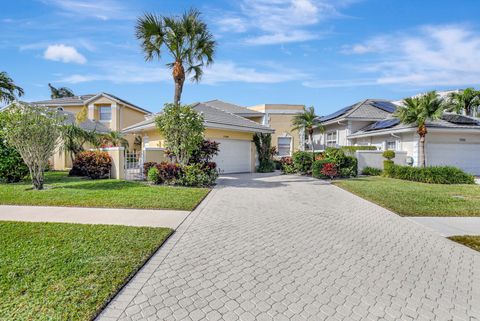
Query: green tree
point(467, 100)
point(307, 121)
point(263, 144)
point(116, 139)
point(8, 90)
point(187, 40)
point(74, 139)
point(61, 92)
point(35, 133)
point(182, 128)
point(418, 111)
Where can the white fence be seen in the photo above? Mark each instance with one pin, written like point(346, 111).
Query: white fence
point(374, 158)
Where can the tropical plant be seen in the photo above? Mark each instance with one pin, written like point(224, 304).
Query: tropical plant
point(137, 142)
point(74, 138)
point(467, 101)
point(61, 92)
point(306, 121)
point(182, 127)
point(187, 40)
point(34, 132)
point(94, 164)
point(205, 152)
point(12, 166)
point(8, 90)
point(115, 139)
point(263, 144)
point(418, 111)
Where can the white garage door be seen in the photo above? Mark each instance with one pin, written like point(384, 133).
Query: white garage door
point(234, 156)
point(464, 156)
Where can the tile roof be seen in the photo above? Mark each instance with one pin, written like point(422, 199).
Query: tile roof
point(88, 124)
point(366, 109)
point(214, 118)
point(231, 108)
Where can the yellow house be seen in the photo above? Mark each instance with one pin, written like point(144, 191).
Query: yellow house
point(105, 110)
point(233, 132)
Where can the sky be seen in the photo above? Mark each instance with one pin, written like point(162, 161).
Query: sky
point(322, 53)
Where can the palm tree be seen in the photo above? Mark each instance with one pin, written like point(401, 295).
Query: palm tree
point(306, 121)
point(418, 111)
point(8, 89)
point(187, 40)
point(115, 138)
point(467, 100)
point(74, 138)
point(60, 92)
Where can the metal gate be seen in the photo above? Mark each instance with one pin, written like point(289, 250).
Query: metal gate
point(133, 165)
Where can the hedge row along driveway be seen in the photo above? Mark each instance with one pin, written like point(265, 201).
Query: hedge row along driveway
point(61, 190)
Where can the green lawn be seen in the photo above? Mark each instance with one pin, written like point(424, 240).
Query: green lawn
point(55, 271)
point(62, 190)
point(472, 241)
point(416, 199)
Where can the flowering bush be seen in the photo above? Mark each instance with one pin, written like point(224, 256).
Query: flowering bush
point(94, 164)
point(329, 170)
point(287, 165)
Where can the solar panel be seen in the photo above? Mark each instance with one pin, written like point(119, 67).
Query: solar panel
point(336, 114)
point(459, 119)
point(383, 124)
point(385, 106)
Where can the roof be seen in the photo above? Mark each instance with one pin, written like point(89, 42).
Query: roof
point(366, 109)
point(448, 121)
point(232, 108)
point(213, 118)
point(88, 124)
point(85, 99)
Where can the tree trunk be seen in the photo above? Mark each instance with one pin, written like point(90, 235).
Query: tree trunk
point(310, 137)
point(179, 78)
point(37, 177)
point(422, 132)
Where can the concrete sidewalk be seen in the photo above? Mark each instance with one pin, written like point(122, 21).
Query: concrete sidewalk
point(132, 217)
point(449, 226)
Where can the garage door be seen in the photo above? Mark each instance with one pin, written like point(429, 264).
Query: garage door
point(234, 156)
point(464, 156)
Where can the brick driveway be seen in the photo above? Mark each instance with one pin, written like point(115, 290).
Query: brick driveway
point(268, 247)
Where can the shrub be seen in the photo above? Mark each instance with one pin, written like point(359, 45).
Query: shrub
point(205, 152)
point(389, 154)
point(350, 150)
point(147, 166)
point(387, 163)
point(12, 167)
point(94, 164)
point(153, 175)
point(336, 155)
point(198, 175)
point(349, 167)
point(169, 173)
point(371, 171)
point(431, 174)
point(329, 170)
point(265, 152)
point(317, 168)
point(302, 162)
point(278, 164)
point(287, 165)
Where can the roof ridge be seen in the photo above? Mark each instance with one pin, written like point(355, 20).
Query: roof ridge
point(241, 117)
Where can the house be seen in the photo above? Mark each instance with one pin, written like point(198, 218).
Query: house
point(453, 140)
point(111, 112)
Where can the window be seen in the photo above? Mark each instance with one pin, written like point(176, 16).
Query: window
point(284, 146)
point(105, 113)
point(391, 145)
point(331, 139)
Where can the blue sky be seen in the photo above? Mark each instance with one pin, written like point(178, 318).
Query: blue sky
point(325, 53)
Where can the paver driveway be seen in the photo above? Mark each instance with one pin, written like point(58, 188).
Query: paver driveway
point(269, 247)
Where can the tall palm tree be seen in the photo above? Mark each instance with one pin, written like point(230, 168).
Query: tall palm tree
point(8, 89)
point(467, 100)
point(418, 111)
point(61, 92)
point(74, 138)
point(187, 40)
point(306, 121)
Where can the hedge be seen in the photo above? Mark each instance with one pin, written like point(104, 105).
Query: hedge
point(350, 150)
point(430, 175)
point(371, 171)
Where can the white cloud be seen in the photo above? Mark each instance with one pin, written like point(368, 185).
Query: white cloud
point(64, 54)
point(442, 55)
point(280, 21)
point(99, 9)
point(220, 72)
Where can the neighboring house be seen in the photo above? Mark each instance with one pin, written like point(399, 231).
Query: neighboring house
point(454, 140)
point(233, 132)
point(105, 110)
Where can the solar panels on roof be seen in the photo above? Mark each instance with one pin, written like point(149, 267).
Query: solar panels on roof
point(383, 124)
point(336, 114)
point(459, 119)
point(384, 105)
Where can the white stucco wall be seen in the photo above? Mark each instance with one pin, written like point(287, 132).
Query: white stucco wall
point(373, 158)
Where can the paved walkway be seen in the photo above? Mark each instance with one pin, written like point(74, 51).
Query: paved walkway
point(448, 226)
point(132, 217)
point(268, 247)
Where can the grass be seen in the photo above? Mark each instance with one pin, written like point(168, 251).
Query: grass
point(472, 241)
point(62, 190)
point(416, 199)
point(56, 271)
